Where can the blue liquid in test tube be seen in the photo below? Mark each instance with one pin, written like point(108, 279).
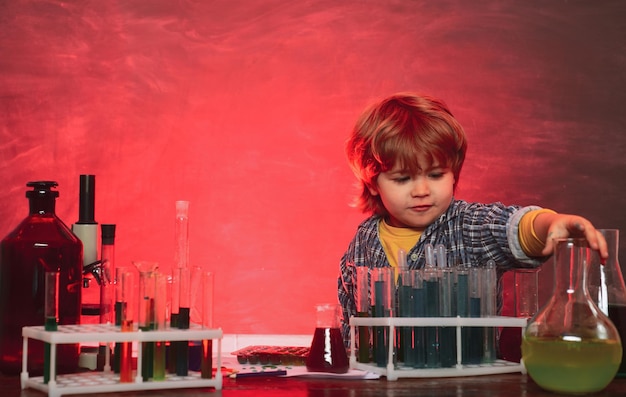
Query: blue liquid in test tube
point(419, 310)
point(381, 307)
point(476, 334)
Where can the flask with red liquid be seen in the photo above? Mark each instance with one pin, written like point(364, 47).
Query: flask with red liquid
point(327, 352)
point(40, 243)
point(608, 291)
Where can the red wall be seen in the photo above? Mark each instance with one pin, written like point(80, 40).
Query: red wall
point(242, 108)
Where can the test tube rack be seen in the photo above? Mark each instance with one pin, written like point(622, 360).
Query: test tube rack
point(393, 371)
point(107, 380)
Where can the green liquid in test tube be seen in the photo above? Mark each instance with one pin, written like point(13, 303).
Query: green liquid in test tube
point(51, 308)
point(147, 313)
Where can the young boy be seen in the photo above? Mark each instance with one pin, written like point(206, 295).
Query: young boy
point(407, 153)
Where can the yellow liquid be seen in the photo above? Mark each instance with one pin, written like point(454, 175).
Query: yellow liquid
point(571, 367)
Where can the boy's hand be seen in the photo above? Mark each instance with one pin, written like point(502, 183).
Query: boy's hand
point(565, 226)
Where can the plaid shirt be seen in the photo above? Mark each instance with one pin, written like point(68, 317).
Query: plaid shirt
point(473, 233)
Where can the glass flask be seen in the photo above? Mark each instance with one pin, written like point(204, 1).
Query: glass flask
point(606, 286)
point(327, 352)
point(570, 346)
point(40, 243)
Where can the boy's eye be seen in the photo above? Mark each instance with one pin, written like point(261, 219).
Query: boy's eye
point(436, 175)
point(402, 179)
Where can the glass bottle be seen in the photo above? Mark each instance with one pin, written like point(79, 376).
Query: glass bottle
point(327, 352)
point(570, 346)
point(40, 243)
point(606, 286)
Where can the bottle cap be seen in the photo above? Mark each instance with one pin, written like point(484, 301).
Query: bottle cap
point(41, 188)
point(108, 233)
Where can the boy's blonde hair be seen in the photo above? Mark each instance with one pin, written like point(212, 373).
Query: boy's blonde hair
point(400, 130)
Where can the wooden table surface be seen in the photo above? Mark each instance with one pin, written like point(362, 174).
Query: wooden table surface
point(513, 385)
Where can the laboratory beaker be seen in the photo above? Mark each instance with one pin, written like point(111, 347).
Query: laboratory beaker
point(526, 304)
point(606, 286)
point(570, 346)
point(327, 352)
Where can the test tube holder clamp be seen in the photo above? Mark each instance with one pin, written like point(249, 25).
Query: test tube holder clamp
point(107, 381)
point(393, 372)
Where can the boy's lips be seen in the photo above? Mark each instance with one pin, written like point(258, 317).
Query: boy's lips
point(421, 208)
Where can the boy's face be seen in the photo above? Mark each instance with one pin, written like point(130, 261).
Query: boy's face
point(415, 201)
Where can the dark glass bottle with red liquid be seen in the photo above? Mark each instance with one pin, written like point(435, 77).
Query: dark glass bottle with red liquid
point(40, 243)
point(608, 290)
point(327, 352)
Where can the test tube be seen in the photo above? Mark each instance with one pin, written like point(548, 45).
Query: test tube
point(404, 338)
point(462, 305)
point(51, 314)
point(489, 309)
point(174, 292)
point(447, 335)
point(127, 318)
point(206, 365)
point(119, 308)
point(363, 310)
point(107, 291)
point(107, 279)
point(432, 288)
point(182, 347)
point(146, 315)
point(405, 309)
point(181, 232)
point(160, 311)
point(419, 310)
point(473, 345)
point(381, 302)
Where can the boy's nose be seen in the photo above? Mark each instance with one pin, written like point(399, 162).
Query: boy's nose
point(420, 188)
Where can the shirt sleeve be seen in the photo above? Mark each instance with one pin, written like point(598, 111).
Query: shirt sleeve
point(514, 239)
point(530, 242)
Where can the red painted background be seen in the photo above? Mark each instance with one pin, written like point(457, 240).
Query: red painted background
point(243, 107)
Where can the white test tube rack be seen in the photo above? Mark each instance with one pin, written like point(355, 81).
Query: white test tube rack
point(107, 380)
point(393, 372)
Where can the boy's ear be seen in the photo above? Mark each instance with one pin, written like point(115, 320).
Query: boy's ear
point(372, 189)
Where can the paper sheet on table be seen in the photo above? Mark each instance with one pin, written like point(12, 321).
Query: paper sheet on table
point(351, 374)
